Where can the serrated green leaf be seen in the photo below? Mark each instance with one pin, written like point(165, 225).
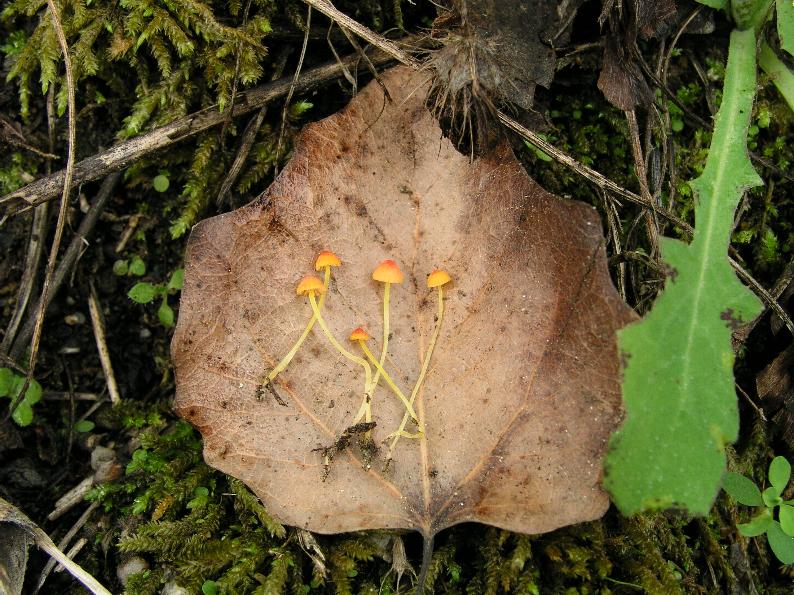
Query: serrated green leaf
point(779, 473)
point(143, 293)
point(678, 385)
point(758, 525)
point(23, 414)
point(785, 25)
point(782, 545)
point(742, 489)
point(787, 519)
point(781, 75)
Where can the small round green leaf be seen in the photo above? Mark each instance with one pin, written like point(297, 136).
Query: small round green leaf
point(137, 266)
point(742, 489)
point(771, 497)
point(209, 588)
point(758, 525)
point(161, 183)
point(143, 293)
point(120, 267)
point(787, 519)
point(782, 545)
point(165, 314)
point(23, 414)
point(84, 426)
point(779, 473)
point(33, 394)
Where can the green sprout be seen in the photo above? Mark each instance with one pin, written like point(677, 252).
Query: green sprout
point(11, 385)
point(780, 532)
point(144, 293)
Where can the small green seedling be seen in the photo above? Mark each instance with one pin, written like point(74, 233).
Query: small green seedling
point(134, 267)
point(780, 532)
point(11, 385)
point(144, 292)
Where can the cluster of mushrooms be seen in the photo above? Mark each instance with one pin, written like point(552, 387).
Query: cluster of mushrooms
point(388, 273)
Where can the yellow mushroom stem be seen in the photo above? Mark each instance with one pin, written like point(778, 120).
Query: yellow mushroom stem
point(385, 347)
point(425, 365)
point(368, 384)
point(408, 407)
point(282, 365)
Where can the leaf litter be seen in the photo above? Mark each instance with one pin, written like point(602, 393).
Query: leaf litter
point(523, 389)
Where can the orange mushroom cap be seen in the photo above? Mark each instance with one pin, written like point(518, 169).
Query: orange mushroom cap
point(388, 272)
point(438, 278)
point(359, 334)
point(310, 284)
point(326, 258)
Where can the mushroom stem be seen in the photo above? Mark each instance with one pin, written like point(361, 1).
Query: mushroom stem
point(385, 348)
point(409, 408)
point(425, 365)
point(285, 361)
point(368, 384)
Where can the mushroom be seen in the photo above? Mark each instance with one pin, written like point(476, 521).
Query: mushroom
point(311, 286)
point(387, 272)
point(437, 279)
point(361, 336)
point(325, 260)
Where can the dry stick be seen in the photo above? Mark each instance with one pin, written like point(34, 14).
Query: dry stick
point(642, 176)
point(102, 346)
point(69, 258)
point(590, 174)
point(32, 261)
point(123, 154)
point(65, 542)
point(67, 186)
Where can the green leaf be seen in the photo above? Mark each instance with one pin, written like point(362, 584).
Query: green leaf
point(6, 381)
point(785, 25)
point(120, 268)
point(786, 517)
point(84, 426)
point(781, 75)
point(143, 293)
point(758, 525)
point(742, 489)
point(782, 545)
point(23, 414)
point(177, 280)
point(209, 588)
point(34, 392)
point(771, 497)
point(137, 266)
point(779, 473)
point(165, 314)
point(161, 183)
point(678, 385)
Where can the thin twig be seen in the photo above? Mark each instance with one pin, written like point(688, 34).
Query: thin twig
point(642, 177)
point(102, 346)
point(296, 76)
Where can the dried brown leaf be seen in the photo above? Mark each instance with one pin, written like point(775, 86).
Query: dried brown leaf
point(523, 389)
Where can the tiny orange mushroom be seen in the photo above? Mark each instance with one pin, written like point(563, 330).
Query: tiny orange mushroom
point(435, 280)
point(325, 260)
